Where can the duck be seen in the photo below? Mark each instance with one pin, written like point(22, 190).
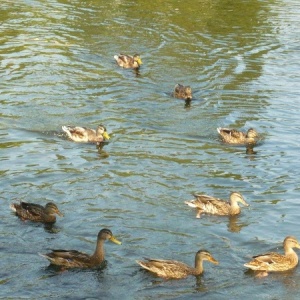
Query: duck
point(76, 259)
point(215, 206)
point(86, 135)
point(276, 262)
point(36, 212)
point(233, 136)
point(183, 92)
point(128, 61)
point(173, 269)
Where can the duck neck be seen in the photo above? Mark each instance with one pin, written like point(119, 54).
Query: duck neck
point(98, 255)
point(234, 208)
point(198, 266)
point(291, 254)
point(49, 217)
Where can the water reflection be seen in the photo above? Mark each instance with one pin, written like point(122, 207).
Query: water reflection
point(234, 225)
point(52, 228)
point(187, 103)
point(101, 152)
point(200, 284)
point(250, 149)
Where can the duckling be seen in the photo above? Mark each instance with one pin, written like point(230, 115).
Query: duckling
point(172, 269)
point(127, 61)
point(183, 92)
point(233, 136)
point(275, 262)
point(35, 212)
point(76, 259)
point(86, 135)
point(215, 206)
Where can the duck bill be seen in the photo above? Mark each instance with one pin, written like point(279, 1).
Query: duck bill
point(214, 261)
point(106, 136)
point(139, 61)
point(114, 240)
point(60, 214)
point(245, 203)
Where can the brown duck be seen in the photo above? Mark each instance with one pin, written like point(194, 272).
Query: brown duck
point(183, 92)
point(276, 262)
point(86, 135)
point(215, 206)
point(172, 269)
point(76, 259)
point(36, 212)
point(127, 61)
point(233, 136)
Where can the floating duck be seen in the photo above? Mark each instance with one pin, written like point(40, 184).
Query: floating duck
point(36, 212)
point(215, 206)
point(183, 92)
point(76, 259)
point(275, 262)
point(233, 136)
point(127, 61)
point(172, 269)
point(86, 135)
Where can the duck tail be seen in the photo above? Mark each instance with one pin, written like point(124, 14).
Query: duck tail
point(65, 128)
point(13, 207)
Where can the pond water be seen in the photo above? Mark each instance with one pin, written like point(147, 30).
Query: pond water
point(241, 59)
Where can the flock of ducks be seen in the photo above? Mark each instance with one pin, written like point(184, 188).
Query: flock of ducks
point(168, 269)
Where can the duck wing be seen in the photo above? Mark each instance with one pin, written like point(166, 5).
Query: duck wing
point(215, 205)
point(269, 262)
point(166, 268)
point(32, 208)
point(68, 258)
point(270, 258)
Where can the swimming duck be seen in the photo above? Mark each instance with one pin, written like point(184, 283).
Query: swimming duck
point(275, 262)
point(172, 269)
point(233, 136)
point(210, 205)
point(86, 135)
point(127, 61)
point(35, 212)
point(76, 259)
point(183, 92)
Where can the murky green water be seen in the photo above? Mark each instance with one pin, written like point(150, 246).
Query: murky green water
point(242, 60)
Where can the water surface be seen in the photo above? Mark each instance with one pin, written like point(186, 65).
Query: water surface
point(57, 68)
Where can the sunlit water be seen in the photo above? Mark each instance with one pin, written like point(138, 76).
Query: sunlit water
point(57, 68)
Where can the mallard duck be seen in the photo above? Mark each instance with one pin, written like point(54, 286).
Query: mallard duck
point(183, 92)
point(275, 262)
point(76, 259)
point(36, 212)
point(86, 135)
point(172, 269)
point(210, 205)
point(233, 136)
point(127, 61)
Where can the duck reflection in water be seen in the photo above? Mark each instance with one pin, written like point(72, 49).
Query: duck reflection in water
point(250, 149)
point(101, 152)
point(234, 225)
